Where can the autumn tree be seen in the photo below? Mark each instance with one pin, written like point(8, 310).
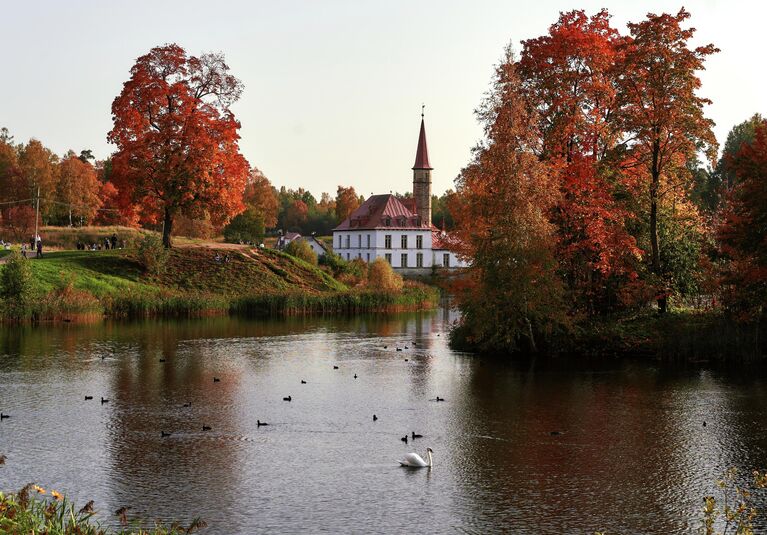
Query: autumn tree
point(568, 76)
point(504, 196)
point(296, 215)
point(38, 168)
point(260, 195)
point(662, 115)
point(347, 202)
point(177, 138)
point(78, 188)
point(743, 231)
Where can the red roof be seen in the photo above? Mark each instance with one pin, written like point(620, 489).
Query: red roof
point(383, 211)
point(422, 154)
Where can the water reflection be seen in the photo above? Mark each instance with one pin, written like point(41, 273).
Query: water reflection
point(629, 454)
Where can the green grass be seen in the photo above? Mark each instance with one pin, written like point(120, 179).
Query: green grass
point(74, 284)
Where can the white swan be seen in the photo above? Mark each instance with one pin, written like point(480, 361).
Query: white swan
point(413, 460)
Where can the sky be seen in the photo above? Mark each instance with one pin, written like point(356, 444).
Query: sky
point(333, 88)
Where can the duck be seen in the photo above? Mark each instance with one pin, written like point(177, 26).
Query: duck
point(216, 380)
point(399, 349)
point(555, 433)
point(416, 435)
point(289, 398)
point(335, 367)
point(4, 416)
point(188, 404)
point(162, 360)
point(375, 417)
point(404, 439)
point(440, 399)
point(413, 460)
point(88, 397)
point(355, 375)
point(303, 382)
point(164, 434)
point(407, 360)
point(386, 347)
point(206, 427)
point(259, 423)
point(104, 400)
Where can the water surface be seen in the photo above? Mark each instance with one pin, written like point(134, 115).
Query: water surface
point(632, 455)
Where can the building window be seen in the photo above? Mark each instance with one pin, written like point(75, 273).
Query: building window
point(347, 256)
point(359, 255)
point(419, 242)
point(388, 222)
point(348, 240)
point(403, 261)
point(446, 259)
point(368, 241)
point(340, 242)
point(403, 241)
point(387, 242)
point(419, 260)
point(359, 241)
point(388, 258)
point(368, 257)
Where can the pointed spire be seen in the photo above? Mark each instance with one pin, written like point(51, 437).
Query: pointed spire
point(422, 154)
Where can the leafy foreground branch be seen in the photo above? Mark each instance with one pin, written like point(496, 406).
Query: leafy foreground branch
point(735, 511)
point(32, 511)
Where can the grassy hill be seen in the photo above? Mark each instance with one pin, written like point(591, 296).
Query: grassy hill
point(68, 284)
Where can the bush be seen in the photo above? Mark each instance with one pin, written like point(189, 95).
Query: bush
point(152, 254)
point(16, 286)
point(245, 227)
point(301, 249)
point(334, 261)
point(381, 276)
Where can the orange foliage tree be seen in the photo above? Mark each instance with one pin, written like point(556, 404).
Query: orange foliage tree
point(39, 170)
point(501, 207)
point(260, 195)
point(661, 114)
point(78, 189)
point(347, 201)
point(177, 138)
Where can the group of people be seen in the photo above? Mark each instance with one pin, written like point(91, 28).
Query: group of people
point(222, 259)
point(108, 243)
point(35, 245)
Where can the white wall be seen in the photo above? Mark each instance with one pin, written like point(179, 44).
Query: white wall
point(378, 246)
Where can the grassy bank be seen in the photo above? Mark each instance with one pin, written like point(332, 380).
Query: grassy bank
point(33, 510)
point(77, 285)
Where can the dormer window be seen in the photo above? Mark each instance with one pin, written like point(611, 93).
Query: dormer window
point(388, 222)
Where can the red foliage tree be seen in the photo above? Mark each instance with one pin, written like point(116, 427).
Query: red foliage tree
point(569, 77)
point(177, 138)
point(296, 215)
point(743, 231)
point(78, 189)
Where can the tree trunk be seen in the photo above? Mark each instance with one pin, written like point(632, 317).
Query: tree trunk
point(654, 223)
point(167, 227)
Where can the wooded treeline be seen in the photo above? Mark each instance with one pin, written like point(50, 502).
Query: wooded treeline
point(588, 196)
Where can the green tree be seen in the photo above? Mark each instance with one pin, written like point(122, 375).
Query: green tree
point(16, 286)
point(247, 226)
point(301, 249)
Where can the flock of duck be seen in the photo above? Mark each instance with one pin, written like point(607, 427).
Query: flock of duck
point(411, 460)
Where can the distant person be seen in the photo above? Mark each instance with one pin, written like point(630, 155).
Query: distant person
point(113, 239)
point(107, 244)
point(24, 250)
point(39, 247)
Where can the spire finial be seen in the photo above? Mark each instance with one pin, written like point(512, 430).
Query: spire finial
point(422, 108)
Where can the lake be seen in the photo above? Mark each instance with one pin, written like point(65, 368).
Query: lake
point(631, 455)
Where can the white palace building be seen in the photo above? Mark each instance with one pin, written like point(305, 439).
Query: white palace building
point(399, 230)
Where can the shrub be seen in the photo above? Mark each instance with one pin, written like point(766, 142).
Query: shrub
point(354, 273)
point(301, 249)
point(152, 254)
point(16, 286)
point(381, 276)
point(334, 261)
point(245, 227)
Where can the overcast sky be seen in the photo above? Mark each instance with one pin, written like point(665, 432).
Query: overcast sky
point(333, 89)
